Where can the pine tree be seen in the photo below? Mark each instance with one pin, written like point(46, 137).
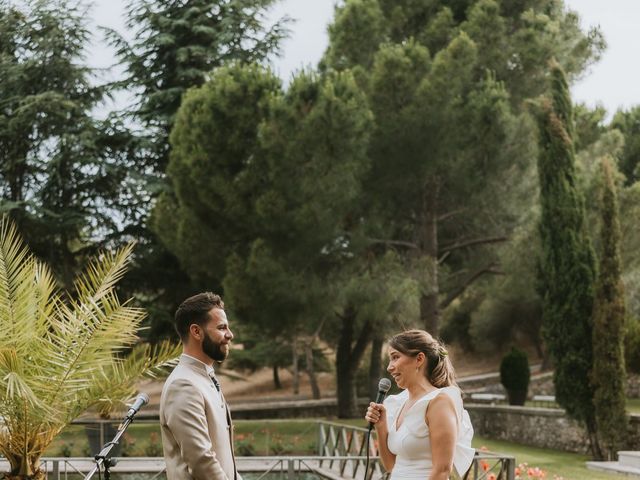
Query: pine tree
point(60, 173)
point(446, 80)
point(567, 267)
point(608, 326)
point(177, 46)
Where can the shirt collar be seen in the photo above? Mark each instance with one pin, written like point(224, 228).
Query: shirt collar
point(209, 368)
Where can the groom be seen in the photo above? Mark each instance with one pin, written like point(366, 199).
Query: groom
point(194, 417)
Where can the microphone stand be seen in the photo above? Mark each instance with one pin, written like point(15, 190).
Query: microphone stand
point(103, 459)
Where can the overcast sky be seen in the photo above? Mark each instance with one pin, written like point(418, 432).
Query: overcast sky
point(614, 82)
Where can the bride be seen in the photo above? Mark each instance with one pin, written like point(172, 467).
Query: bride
point(423, 432)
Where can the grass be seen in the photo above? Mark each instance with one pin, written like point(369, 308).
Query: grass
point(633, 405)
point(569, 466)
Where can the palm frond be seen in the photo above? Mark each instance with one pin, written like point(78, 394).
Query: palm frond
point(116, 382)
point(61, 354)
point(101, 276)
point(16, 287)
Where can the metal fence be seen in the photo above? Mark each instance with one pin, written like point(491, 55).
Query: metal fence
point(341, 453)
point(337, 441)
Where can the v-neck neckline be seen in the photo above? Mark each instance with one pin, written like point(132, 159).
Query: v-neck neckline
point(395, 421)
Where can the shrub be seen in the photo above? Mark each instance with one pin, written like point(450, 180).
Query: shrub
point(514, 375)
point(244, 445)
point(128, 443)
point(66, 449)
point(154, 449)
point(278, 447)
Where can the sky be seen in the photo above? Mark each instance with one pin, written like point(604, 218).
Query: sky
point(613, 82)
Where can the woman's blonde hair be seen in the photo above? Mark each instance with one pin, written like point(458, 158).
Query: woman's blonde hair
point(439, 371)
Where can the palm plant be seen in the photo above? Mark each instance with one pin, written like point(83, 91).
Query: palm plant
point(62, 353)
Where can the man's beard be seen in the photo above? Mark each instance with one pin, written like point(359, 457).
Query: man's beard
point(213, 350)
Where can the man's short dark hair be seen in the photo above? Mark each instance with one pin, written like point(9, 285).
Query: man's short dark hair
point(196, 310)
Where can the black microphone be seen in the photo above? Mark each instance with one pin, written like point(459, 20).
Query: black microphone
point(383, 387)
point(141, 401)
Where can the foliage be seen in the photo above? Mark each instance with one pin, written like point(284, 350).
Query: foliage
point(515, 374)
point(61, 170)
point(509, 308)
point(63, 353)
point(567, 265)
point(553, 462)
point(456, 329)
point(628, 123)
point(608, 375)
point(208, 213)
point(177, 45)
point(446, 81)
point(274, 241)
point(244, 444)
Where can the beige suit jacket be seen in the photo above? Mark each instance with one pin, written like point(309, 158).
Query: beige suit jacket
point(195, 425)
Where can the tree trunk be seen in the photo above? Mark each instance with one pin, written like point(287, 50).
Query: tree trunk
point(375, 365)
point(296, 370)
point(594, 442)
point(276, 378)
point(311, 370)
point(348, 357)
point(429, 308)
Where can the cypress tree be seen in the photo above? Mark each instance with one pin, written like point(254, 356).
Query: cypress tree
point(608, 326)
point(567, 266)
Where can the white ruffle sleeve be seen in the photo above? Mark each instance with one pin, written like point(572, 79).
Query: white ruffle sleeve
point(464, 453)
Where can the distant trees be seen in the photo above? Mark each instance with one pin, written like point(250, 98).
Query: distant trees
point(394, 186)
point(60, 175)
point(176, 46)
point(446, 81)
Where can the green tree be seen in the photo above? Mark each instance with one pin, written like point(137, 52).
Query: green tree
point(176, 46)
point(372, 297)
point(446, 80)
point(60, 178)
point(628, 122)
point(216, 171)
point(608, 327)
point(567, 266)
point(63, 353)
point(240, 141)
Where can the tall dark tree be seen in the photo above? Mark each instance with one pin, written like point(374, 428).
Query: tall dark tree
point(628, 122)
point(60, 176)
point(176, 46)
point(567, 267)
point(446, 80)
point(608, 326)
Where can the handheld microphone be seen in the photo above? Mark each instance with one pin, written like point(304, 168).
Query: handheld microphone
point(141, 401)
point(383, 387)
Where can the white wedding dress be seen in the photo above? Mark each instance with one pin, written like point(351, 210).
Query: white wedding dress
point(411, 444)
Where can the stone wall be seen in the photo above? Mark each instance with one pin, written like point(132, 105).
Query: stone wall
point(540, 384)
point(539, 427)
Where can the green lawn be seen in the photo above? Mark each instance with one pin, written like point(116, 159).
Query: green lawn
point(569, 466)
point(633, 405)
